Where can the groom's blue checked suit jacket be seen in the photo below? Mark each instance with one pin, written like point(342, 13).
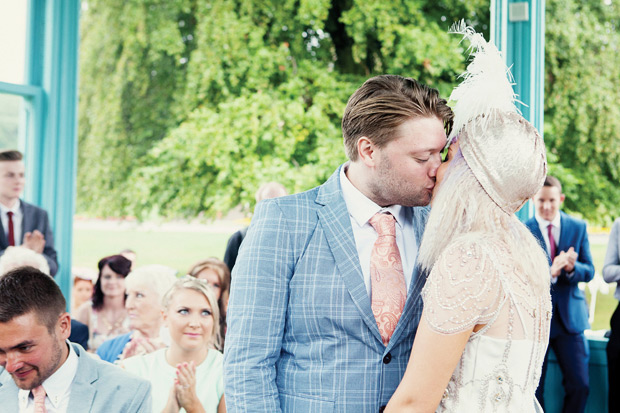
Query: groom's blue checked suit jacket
point(568, 300)
point(301, 333)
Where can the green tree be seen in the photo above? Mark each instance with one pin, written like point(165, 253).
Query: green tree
point(582, 115)
point(187, 106)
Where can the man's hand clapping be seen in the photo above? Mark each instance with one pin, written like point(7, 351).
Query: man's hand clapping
point(565, 260)
point(34, 241)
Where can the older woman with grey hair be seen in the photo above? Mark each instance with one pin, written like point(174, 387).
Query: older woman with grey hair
point(145, 288)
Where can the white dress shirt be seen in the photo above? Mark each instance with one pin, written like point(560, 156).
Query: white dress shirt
point(57, 387)
point(361, 209)
point(555, 230)
point(18, 217)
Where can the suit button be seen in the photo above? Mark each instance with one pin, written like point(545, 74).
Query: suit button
point(387, 358)
point(381, 409)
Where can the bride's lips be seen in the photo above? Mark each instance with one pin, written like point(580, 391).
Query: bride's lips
point(193, 335)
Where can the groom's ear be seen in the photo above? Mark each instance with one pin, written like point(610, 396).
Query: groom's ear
point(366, 151)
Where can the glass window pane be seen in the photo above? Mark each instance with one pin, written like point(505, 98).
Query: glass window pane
point(13, 23)
point(14, 121)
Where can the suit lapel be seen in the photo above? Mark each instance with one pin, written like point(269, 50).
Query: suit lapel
point(4, 242)
point(534, 228)
point(565, 231)
point(336, 223)
point(26, 218)
point(82, 389)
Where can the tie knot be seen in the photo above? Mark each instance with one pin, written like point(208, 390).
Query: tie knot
point(38, 391)
point(384, 224)
point(10, 213)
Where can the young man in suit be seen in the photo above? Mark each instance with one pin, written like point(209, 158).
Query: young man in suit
point(22, 223)
point(566, 241)
point(325, 294)
point(40, 370)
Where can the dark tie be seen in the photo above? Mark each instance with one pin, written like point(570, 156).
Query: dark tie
point(552, 245)
point(11, 235)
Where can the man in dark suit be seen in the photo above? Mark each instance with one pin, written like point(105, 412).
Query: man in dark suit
point(566, 242)
point(22, 223)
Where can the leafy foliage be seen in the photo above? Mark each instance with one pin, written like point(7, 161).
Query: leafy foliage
point(582, 115)
point(187, 106)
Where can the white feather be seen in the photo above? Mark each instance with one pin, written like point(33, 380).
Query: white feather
point(487, 82)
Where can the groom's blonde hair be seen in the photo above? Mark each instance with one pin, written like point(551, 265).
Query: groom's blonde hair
point(383, 103)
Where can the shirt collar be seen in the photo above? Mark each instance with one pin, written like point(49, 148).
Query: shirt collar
point(15, 210)
point(543, 223)
point(360, 207)
point(57, 384)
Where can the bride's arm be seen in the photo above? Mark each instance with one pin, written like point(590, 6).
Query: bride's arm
point(460, 294)
point(433, 359)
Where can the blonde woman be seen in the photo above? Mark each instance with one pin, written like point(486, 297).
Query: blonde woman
point(187, 376)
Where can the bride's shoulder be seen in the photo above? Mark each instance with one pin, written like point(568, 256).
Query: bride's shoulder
point(470, 261)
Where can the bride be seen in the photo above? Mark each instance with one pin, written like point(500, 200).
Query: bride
point(485, 325)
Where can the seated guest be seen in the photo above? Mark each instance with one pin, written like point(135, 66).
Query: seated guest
point(105, 314)
point(40, 371)
point(188, 374)
point(216, 273)
point(145, 288)
point(16, 257)
point(83, 287)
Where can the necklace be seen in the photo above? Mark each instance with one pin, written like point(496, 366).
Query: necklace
point(115, 324)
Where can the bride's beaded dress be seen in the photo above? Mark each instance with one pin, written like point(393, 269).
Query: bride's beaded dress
point(477, 281)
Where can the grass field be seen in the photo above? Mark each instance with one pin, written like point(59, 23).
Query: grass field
point(178, 249)
point(605, 303)
point(181, 248)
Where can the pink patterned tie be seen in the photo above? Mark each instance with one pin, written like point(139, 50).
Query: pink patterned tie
point(389, 291)
point(39, 399)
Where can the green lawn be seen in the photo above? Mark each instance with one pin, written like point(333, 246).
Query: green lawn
point(605, 303)
point(181, 249)
point(175, 249)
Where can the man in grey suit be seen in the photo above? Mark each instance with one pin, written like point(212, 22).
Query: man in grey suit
point(312, 326)
point(40, 369)
point(22, 223)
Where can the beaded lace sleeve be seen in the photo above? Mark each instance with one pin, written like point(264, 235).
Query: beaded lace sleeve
point(463, 289)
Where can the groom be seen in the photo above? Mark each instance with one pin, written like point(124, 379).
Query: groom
point(325, 295)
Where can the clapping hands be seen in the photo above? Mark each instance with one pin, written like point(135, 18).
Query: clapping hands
point(565, 260)
point(183, 391)
point(140, 345)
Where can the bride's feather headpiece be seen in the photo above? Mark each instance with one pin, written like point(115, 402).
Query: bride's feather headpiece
point(504, 151)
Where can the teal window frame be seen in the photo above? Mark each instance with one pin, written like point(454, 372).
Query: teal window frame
point(51, 143)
